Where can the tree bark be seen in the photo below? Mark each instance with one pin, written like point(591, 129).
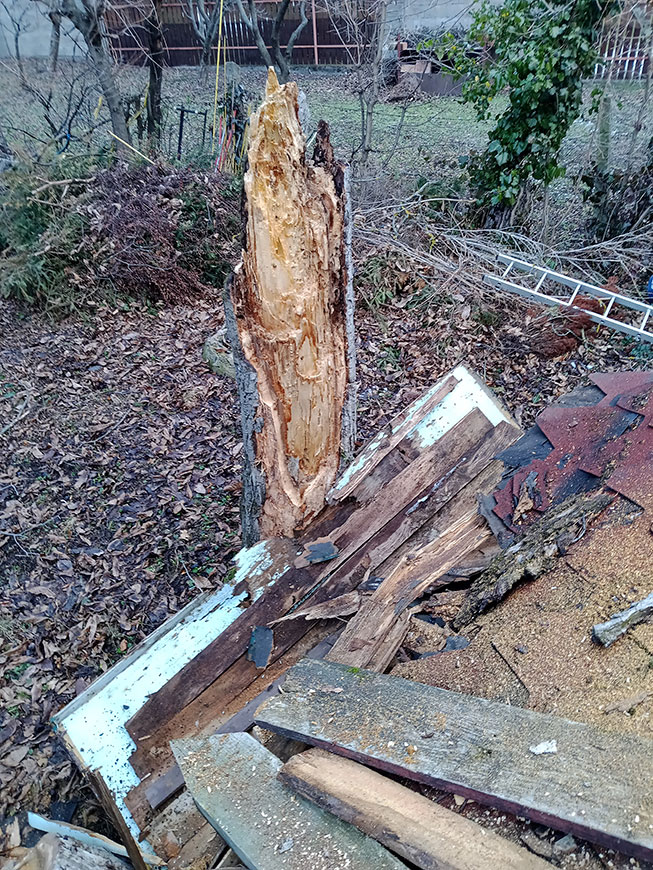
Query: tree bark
point(155, 63)
point(55, 39)
point(290, 322)
point(89, 26)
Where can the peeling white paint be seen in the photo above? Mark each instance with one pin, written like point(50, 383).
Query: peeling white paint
point(93, 725)
point(356, 465)
point(251, 560)
point(469, 393)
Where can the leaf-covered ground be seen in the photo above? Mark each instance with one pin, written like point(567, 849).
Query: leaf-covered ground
point(120, 475)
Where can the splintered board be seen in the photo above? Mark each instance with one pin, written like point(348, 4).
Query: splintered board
point(93, 726)
point(233, 780)
point(567, 775)
point(194, 667)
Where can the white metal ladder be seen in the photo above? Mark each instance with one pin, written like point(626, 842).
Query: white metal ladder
point(577, 287)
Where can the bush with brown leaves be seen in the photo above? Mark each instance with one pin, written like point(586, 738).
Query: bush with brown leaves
point(157, 232)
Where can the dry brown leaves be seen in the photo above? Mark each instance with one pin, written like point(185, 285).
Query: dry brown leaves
point(119, 489)
point(118, 504)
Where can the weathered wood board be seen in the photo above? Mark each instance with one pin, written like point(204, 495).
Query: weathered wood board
point(424, 422)
point(233, 780)
point(567, 775)
point(60, 853)
point(412, 826)
point(372, 626)
point(455, 443)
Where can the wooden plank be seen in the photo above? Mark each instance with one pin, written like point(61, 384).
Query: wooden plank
point(365, 467)
point(172, 781)
point(467, 447)
point(233, 780)
point(567, 775)
point(224, 649)
point(372, 627)
point(484, 482)
point(424, 422)
point(470, 450)
point(412, 826)
point(439, 471)
point(107, 800)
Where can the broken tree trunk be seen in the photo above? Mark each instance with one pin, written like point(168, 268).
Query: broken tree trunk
point(289, 314)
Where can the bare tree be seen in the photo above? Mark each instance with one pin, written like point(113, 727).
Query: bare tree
point(277, 56)
point(87, 17)
point(205, 23)
point(155, 62)
point(55, 39)
point(361, 29)
point(6, 154)
point(17, 18)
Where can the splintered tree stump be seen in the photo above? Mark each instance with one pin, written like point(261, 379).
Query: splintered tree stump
point(289, 314)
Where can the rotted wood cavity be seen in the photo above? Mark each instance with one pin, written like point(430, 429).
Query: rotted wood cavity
point(287, 320)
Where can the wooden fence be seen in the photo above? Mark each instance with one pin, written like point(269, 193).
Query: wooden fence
point(318, 43)
point(624, 46)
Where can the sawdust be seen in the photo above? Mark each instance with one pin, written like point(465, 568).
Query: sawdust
point(535, 650)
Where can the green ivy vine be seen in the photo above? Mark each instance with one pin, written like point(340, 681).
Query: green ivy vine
point(537, 53)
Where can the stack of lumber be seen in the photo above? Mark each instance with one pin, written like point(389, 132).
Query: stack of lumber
point(399, 518)
point(569, 776)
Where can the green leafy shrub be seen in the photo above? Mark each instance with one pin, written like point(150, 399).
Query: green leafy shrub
point(538, 53)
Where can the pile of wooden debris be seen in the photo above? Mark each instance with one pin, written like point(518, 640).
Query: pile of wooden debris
point(383, 618)
point(405, 552)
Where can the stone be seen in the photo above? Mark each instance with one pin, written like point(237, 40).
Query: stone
point(564, 846)
point(217, 356)
point(535, 844)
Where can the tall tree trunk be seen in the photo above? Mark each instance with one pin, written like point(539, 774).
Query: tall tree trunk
point(6, 154)
point(104, 71)
point(372, 96)
point(289, 324)
point(19, 57)
point(155, 62)
point(55, 39)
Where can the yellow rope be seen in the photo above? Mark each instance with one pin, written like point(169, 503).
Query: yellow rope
point(131, 147)
point(217, 74)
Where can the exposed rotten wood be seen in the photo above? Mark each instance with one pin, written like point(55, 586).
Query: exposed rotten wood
point(412, 826)
point(439, 471)
point(372, 627)
point(287, 322)
point(533, 554)
point(233, 779)
point(176, 826)
point(470, 446)
point(567, 775)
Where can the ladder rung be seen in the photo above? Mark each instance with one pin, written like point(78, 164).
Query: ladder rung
point(609, 308)
point(575, 294)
